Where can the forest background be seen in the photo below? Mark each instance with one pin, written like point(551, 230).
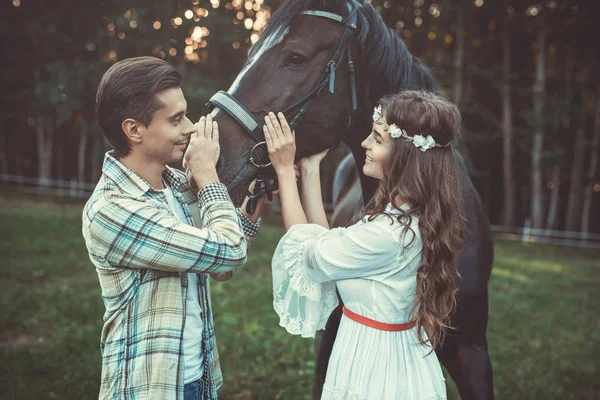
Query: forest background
point(522, 72)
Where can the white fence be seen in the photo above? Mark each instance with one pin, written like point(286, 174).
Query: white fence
point(526, 234)
point(52, 187)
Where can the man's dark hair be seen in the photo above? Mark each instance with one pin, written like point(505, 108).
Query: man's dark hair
point(128, 90)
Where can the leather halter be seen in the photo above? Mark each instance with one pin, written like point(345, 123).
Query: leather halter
point(253, 127)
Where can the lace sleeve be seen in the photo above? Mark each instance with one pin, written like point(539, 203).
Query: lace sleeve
point(302, 297)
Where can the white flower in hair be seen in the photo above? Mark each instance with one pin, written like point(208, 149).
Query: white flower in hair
point(423, 143)
point(418, 140)
point(377, 113)
point(429, 142)
point(395, 132)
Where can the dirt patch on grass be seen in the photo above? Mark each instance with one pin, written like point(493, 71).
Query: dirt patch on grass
point(12, 342)
point(25, 280)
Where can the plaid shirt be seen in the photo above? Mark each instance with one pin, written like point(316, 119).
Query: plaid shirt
point(142, 254)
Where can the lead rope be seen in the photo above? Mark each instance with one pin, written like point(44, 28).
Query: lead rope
point(264, 184)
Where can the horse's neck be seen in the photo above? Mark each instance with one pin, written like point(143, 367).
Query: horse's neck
point(377, 84)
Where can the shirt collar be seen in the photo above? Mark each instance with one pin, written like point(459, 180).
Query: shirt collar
point(131, 182)
point(390, 209)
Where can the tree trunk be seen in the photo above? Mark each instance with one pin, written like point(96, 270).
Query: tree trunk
point(96, 163)
point(562, 118)
point(59, 154)
point(555, 171)
point(507, 127)
point(459, 55)
point(592, 171)
point(575, 188)
point(538, 136)
point(16, 155)
point(568, 88)
point(551, 222)
point(4, 152)
point(83, 136)
point(98, 150)
point(45, 141)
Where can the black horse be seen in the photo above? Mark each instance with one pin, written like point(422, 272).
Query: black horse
point(326, 70)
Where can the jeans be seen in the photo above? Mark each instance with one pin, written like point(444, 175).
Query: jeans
point(194, 390)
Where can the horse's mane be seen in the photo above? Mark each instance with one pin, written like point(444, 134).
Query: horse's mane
point(389, 60)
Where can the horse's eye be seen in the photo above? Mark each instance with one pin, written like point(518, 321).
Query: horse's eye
point(295, 60)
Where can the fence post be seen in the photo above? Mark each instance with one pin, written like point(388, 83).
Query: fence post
point(526, 231)
point(585, 237)
point(73, 187)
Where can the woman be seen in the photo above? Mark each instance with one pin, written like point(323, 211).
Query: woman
point(395, 269)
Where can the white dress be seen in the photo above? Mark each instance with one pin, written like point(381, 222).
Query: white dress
point(376, 277)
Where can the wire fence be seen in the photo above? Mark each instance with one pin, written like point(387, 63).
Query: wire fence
point(526, 234)
point(52, 187)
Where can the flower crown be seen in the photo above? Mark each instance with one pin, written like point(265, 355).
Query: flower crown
point(421, 142)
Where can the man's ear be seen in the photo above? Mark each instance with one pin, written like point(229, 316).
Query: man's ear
point(131, 128)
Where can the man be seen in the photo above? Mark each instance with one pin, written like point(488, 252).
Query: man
point(154, 240)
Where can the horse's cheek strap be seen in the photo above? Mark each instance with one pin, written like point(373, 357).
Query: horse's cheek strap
point(352, 73)
point(331, 77)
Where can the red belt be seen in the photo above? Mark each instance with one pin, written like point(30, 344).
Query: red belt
point(382, 326)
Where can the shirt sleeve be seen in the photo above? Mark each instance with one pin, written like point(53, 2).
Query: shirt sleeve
point(361, 250)
point(249, 227)
point(128, 233)
point(310, 258)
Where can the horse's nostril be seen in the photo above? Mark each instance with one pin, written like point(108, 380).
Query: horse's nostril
point(220, 162)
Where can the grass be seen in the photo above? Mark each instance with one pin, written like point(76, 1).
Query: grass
point(544, 332)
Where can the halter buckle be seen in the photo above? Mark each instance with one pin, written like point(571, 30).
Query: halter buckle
point(252, 156)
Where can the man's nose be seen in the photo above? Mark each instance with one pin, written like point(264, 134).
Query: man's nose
point(189, 127)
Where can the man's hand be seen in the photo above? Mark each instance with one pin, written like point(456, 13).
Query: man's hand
point(202, 154)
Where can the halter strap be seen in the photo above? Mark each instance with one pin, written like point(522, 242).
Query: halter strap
point(236, 110)
point(323, 14)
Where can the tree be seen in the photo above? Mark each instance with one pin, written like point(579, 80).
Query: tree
point(588, 192)
point(538, 136)
point(55, 101)
point(459, 54)
point(561, 121)
point(507, 124)
point(579, 151)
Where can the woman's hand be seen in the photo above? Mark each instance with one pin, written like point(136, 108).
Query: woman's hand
point(311, 163)
point(281, 143)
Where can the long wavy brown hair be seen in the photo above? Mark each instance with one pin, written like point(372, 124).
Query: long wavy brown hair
point(430, 182)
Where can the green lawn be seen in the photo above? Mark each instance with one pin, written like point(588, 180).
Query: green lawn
point(544, 329)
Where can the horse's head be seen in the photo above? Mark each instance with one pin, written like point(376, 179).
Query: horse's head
point(289, 70)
